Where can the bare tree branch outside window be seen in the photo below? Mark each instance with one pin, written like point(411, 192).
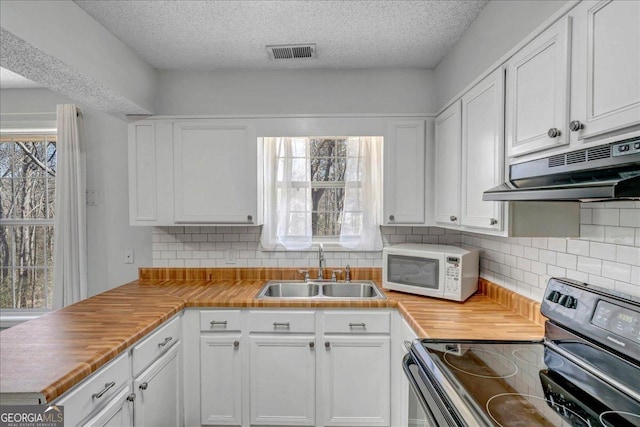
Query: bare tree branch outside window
point(27, 198)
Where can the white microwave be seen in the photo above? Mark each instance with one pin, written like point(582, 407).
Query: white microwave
point(431, 270)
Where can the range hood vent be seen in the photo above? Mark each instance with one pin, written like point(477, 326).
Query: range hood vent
point(605, 172)
point(291, 51)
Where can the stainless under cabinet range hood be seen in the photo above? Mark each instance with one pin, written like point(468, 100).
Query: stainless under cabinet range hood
point(604, 172)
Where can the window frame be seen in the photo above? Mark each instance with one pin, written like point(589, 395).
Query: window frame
point(13, 316)
point(330, 243)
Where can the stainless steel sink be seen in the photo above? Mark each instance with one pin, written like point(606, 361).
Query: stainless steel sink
point(352, 290)
point(290, 290)
point(363, 289)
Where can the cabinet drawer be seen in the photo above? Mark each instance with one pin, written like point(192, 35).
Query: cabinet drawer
point(96, 391)
point(220, 320)
point(155, 344)
point(282, 321)
point(357, 322)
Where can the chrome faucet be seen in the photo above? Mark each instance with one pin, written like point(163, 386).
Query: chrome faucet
point(347, 274)
point(320, 262)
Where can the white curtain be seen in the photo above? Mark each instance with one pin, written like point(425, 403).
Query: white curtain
point(70, 241)
point(287, 216)
point(361, 216)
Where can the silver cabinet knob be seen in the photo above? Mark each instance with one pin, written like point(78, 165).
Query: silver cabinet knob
point(312, 344)
point(143, 386)
point(131, 397)
point(493, 221)
point(236, 344)
point(576, 125)
point(554, 133)
point(453, 218)
point(392, 218)
point(327, 345)
point(249, 218)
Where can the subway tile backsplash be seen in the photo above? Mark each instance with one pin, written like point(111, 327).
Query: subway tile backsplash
point(607, 253)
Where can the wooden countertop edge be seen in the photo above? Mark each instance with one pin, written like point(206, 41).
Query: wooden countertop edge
point(195, 299)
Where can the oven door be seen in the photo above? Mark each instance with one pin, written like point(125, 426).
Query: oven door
point(426, 402)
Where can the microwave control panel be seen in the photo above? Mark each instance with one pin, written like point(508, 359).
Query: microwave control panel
point(452, 274)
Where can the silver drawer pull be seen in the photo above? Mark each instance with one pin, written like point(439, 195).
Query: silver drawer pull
point(218, 322)
point(107, 386)
point(281, 324)
point(358, 325)
point(165, 342)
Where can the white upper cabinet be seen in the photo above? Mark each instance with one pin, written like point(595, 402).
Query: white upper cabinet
point(538, 92)
point(447, 165)
point(482, 151)
point(605, 67)
point(404, 173)
point(215, 172)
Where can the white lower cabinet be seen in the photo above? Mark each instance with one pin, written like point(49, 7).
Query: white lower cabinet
point(356, 368)
point(282, 367)
point(221, 380)
point(118, 413)
point(140, 387)
point(275, 367)
point(356, 380)
point(158, 392)
point(93, 396)
point(282, 377)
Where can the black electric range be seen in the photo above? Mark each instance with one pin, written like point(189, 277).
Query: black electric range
point(585, 372)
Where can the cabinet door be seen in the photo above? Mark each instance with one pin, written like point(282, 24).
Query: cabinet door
point(447, 166)
point(158, 396)
point(215, 167)
point(221, 380)
point(606, 46)
point(283, 380)
point(143, 190)
point(482, 151)
point(404, 172)
point(118, 413)
point(356, 375)
point(537, 92)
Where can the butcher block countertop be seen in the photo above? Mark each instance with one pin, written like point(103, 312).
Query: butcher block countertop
point(43, 358)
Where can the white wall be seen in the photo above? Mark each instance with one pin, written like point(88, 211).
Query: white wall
point(383, 91)
point(500, 26)
point(107, 224)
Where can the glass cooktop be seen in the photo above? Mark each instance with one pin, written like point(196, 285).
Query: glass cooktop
point(516, 383)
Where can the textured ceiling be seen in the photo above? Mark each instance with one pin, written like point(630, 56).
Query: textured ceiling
point(11, 80)
point(206, 35)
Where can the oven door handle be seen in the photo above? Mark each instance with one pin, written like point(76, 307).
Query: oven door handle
point(407, 361)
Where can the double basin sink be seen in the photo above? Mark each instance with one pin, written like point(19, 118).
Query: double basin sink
point(362, 289)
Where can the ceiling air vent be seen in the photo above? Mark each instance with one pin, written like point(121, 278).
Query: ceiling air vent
point(291, 51)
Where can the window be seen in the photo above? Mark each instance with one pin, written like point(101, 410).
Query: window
point(321, 189)
point(27, 198)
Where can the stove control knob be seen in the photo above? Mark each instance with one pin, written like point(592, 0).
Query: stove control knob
point(554, 296)
point(568, 301)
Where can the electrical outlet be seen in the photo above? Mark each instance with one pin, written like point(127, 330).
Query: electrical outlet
point(230, 256)
point(92, 198)
point(128, 256)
